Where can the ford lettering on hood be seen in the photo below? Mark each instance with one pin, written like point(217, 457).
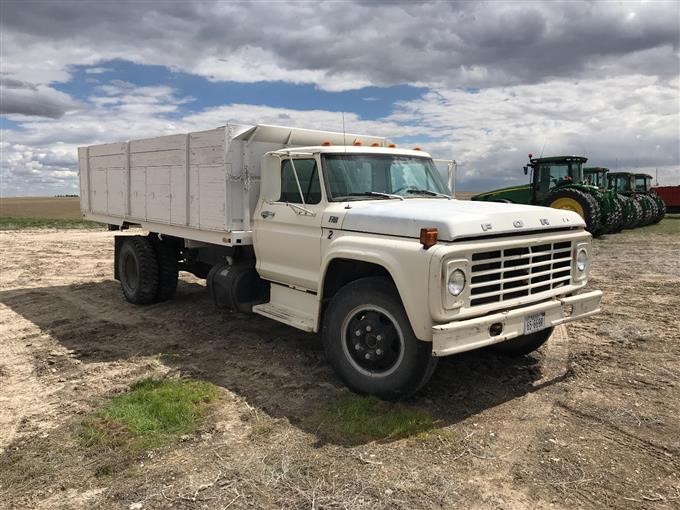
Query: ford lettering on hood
point(454, 219)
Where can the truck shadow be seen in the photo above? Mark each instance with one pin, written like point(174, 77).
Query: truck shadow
point(275, 368)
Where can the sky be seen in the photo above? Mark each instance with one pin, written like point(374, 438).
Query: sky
point(484, 83)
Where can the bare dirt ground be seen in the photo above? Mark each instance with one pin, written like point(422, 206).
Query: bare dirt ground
point(589, 421)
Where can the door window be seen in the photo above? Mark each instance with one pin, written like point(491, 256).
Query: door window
point(307, 175)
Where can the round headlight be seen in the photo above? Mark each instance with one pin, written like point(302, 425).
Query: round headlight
point(456, 282)
point(581, 260)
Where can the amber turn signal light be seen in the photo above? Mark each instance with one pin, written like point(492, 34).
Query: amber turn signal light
point(428, 237)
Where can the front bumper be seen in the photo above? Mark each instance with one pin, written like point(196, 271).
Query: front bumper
point(466, 335)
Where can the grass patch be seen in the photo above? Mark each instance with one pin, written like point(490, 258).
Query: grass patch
point(15, 223)
point(362, 419)
point(152, 414)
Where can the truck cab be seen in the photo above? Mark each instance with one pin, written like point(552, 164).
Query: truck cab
point(353, 240)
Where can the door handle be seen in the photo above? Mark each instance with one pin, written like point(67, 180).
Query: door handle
point(267, 214)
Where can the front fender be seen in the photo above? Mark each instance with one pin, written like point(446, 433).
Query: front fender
point(405, 260)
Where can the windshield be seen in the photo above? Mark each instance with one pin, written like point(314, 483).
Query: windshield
point(555, 174)
point(371, 176)
point(595, 178)
point(642, 183)
point(619, 183)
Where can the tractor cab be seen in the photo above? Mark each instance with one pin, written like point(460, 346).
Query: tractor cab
point(643, 182)
point(554, 172)
point(596, 176)
point(621, 182)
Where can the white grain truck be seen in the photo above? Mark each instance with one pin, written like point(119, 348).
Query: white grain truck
point(343, 234)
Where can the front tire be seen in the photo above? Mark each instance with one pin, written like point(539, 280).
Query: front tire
point(525, 344)
point(385, 358)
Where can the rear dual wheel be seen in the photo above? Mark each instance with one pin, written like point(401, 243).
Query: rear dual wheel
point(147, 269)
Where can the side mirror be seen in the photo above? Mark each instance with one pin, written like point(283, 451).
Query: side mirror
point(526, 169)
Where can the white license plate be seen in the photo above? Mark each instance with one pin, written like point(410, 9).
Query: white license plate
point(533, 323)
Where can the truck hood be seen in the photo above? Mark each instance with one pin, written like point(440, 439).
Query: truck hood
point(454, 219)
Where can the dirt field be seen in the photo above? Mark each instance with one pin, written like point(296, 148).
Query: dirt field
point(41, 207)
point(590, 421)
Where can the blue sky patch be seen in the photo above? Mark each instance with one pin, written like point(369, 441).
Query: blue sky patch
point(370, 103)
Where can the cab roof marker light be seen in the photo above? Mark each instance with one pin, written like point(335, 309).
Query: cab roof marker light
point(326, 143)
point(358, 143)
point(392, 145)
point(417, 149)
point(375, 144)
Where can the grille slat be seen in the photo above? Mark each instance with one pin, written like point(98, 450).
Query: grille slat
point(519, 271)
point(516, 278)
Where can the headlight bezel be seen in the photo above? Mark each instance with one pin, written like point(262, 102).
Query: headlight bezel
point(449, 267)
point(581, 274)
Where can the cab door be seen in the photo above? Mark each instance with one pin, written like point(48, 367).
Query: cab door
point(287, 233)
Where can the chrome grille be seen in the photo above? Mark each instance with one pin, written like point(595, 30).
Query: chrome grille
point(501, 275)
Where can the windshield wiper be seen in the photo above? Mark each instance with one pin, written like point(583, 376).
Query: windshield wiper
point(370, 194)
point(416, 191)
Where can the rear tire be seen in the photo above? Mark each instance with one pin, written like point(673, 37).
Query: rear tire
point(525, 344)
point(168, 267)
point(138, 270)
point(582, 203)
point(661, 206)
point(614, 221)
point(647, 213)
point(385, 359)
point(637, 213)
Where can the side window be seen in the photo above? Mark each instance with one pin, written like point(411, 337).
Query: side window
point(308, 176)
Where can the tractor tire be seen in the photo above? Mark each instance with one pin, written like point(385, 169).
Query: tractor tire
point(138, 270)
point(654, 208)
point(167, 255)
point(647, 213)
point(661, 206)
point(627, 209)
point(581, 203)
point(638, 214)
point(614, 220)
point(370, 344)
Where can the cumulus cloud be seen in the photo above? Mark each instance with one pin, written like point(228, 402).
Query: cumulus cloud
point(488, 132)
point(23, 98)
point(344, 45)
point(503, 78)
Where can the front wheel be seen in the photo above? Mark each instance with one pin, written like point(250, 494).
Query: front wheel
point(370, 344)
point(525, 344)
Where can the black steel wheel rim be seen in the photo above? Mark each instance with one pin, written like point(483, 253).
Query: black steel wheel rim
point(373, 341)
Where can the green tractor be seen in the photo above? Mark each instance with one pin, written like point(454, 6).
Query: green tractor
point(558, 182)
point(643, 184)
point(628, 213)
point(638, 188)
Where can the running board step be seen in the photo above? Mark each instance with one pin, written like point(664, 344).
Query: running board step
point(293, 307)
